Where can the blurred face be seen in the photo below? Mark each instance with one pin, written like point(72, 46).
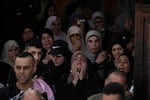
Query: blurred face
point(99, 23)
point(27, 34)
point(47, 41)
point(12, 53)
point(56, 27)
point(36, 52)
point(123, 64)
point(52, 11)
point(93, 44)
point(111, 97)
point(78, 10)
point(24, 69)
point(58, 60)
point(79, 62)
point(117, 50)
point(130, 45)
point(128, 24)
point(74, 38)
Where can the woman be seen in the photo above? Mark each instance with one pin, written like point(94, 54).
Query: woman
point(7, 59)
point(78, 84)
point(47, 40)
point(75, 39)
point(54, 24)
point(126, 64)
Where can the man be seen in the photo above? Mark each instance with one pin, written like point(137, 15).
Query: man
point(113, 91)
point(113, 77)
point(24, 69)
point(35, 48)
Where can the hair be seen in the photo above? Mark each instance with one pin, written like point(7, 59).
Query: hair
point(47, 31)
point(26, 54)
point(114, 43)
point(33, 43)
point(130, 74)
point(114, 88)
point(76, 53)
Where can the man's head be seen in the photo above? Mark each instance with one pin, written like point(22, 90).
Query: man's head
point(113, 91)
point(118, 77)
point(24, 68)
point(35, 48)
point(32, 94)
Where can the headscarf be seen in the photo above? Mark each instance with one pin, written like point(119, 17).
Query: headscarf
point(72, 30)
point(50, 20)
point(7, 46)
point(89, 54)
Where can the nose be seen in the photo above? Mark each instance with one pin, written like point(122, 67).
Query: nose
point(21, 70)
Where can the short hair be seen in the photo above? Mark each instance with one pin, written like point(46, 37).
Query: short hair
point(26, 54)
point(33, 43)
point(46, 31)
point(114, 88)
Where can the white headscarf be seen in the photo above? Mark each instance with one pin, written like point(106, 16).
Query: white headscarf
point(75, 30)
point(50, 20)
point(7, 46)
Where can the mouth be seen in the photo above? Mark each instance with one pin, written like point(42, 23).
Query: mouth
point(121, 69)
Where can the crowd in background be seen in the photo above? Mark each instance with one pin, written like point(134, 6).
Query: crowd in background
point(73, 59)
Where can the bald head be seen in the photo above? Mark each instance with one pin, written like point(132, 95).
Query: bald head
point(31, 94)
point(118, 77)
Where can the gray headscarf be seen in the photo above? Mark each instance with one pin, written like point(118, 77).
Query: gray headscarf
point(91, 56)
point(7, 46)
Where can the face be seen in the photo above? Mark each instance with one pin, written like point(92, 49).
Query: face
point(128, 24)
point(47, 41)
point(93, 44)
point(12, 53)
point(111, 97)
point(78, 10)
point(79, 62)
point(27, 34)
point(99, 23)
point(117, 79)
point(36, 52)
point(24, 69)
point(58, 60)
point(130, 45)
point(56, 27)
point(117, 50)
point(74, 38)
point(123, 64)
point(52, 11)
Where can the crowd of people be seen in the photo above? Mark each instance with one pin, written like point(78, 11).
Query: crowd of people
point(79, 59)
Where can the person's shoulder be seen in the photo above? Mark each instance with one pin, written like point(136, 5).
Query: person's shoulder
point(95, 97)
point(9, 91)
